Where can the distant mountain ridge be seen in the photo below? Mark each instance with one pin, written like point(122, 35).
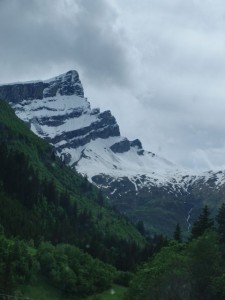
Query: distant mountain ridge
point(139, 183)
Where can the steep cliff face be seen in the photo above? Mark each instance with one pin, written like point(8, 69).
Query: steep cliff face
point(66, 84)
point(139, 183)
point(56, 110)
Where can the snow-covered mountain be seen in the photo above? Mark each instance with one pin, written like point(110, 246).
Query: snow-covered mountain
point(139, 183)
point(57, 110)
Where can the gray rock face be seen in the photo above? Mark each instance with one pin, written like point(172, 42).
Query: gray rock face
point(42, 106)
point(121, 147)
point(60, 119)
point(67, 84)
point(16, 93)
point(104, 127)
point(136, 143)
point(125, 145)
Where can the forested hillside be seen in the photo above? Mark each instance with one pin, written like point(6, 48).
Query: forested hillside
point(192, 270)
point(58, 232)
point(48, 212)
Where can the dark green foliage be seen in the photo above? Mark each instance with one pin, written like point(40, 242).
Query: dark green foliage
point(191, 271)
point(182, 272)
point(140, 227)
point(41, 199)
point(177, 234)
point(73, 271)
point(65, 266)
point(218, 286)
point(203, 223)
point(205, 265)
point(19, 175)
point(220, 218)
point(123, 278)
point(100, 198)
point(17, 265)
point(166, 276)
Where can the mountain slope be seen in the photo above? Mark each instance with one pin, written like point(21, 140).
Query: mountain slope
point(35, 185)
point(139, 183)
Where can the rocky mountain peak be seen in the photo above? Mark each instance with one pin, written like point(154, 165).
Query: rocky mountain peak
point(57, 110)
point(65, 85)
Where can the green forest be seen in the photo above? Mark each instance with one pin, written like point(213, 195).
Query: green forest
point(194, 269)
point(49, 212)
point(57, 231)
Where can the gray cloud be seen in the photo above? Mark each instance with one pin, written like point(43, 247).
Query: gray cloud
point(158, 65)
point(80, 34)
point(180, 88)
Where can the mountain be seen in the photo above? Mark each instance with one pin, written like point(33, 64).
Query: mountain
point(58, 235)
point(139, 183)
point(35, 185)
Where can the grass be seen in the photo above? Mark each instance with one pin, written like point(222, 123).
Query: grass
point(41, 290)
point(115, 293)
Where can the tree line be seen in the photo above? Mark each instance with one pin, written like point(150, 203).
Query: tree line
point(33, 208)
point(188, 270)
point(64, 266)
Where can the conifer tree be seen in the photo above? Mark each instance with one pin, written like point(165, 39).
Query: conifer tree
point(220, 218)
point(204, 222)
point(140, 227)
point(177, 233)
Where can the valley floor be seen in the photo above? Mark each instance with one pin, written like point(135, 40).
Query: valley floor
point(41, 290)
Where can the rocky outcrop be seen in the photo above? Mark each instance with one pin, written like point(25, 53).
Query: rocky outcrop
point(66, 84)
point(136, 143)
point(125, 145)
point(81, 137)
point(66, 122)
point(121, 147)
point(18, 92)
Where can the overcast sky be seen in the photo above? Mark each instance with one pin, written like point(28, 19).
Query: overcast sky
point(158, 65)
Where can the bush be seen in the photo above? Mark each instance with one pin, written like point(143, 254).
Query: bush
point(123, 278)
point(74, 271)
